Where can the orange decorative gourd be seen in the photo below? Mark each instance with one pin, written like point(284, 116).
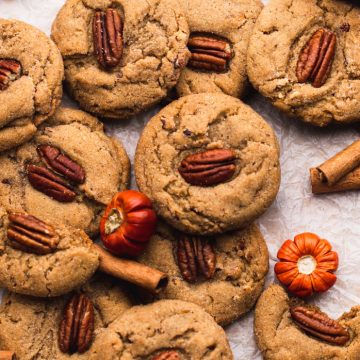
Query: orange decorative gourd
point(128, 223)
point(306, 265)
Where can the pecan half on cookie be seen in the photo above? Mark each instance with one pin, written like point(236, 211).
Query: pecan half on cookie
point(10, 70)
point(316, 58)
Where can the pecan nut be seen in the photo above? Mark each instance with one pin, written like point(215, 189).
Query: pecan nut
point(167, 355)
point(319, 325)
point(29, 234)
point(61, 163)
point(10, 70)
point(208, 168)
point(77, 325)
point(108, 39)
point(50, 184)
point(209, 53)
point(316, 58)
point(195, 255)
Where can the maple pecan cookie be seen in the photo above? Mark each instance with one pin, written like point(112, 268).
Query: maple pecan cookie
point(120, 57)
point(286, 329)
point(209, 163)
point(304, 57)
point(220, 32)
point(31, 72)
point(33, 328)
point(66, 174)
point(224, 275)
point(41, 260)
point(168, 329)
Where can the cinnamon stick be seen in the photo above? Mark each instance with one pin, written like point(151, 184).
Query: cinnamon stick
point(334, 169)
point(7, 355)
point(132, 271)
point(351, 181)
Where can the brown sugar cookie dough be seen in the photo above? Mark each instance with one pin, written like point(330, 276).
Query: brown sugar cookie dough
point(30, 326)
point(209, 163)
point(41, 271)
point(238, 275)
point(153, 38)
point(286, 65)
point(170, 327)
point(278, 337)
point(229, 24)
point(66, 174)
point(31, 72)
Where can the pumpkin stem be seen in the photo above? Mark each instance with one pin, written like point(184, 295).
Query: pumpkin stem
point(306, 264)
point(114, 221)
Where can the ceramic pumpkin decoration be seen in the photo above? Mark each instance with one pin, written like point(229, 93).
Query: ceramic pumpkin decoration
point(306, 265)
point(128, 223)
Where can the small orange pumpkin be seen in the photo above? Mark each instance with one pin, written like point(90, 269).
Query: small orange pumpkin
point(306, 265)
point(128, 223)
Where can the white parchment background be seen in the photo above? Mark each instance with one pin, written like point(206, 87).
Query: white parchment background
point(334, 217)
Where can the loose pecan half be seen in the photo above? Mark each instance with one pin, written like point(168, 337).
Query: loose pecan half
point(77, 326)
point(209, 167)
point(195, 255)
point(107, 35)
point(29, 234)
point(167, 355)
point(61, 163)
point(50, 184)
point(316, 58)
point(209, 53)
point(10, 70)
point(319, 325)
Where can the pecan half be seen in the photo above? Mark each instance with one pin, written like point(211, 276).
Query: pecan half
point(319, 325)
point(10, 70)
point(107, 35)
point(209, 53)
point(77, 326)
point(167, 355)
point(316, 58)
point(61, 163)
point(209, 167)
point(195, 255)
point(29, 234)
point(50, 184)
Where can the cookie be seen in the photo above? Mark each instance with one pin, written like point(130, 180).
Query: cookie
point(31, 73)
point(223, 26)
point(30, 326)
point(172, 329)
point(278, 337)
point(151, 51)
point(286, 65)
point(209, 163)
point(41, 269)
point(66, 174)
point(241, 264)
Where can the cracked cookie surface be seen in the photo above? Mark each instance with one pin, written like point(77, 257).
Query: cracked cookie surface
point(197, 123)
point(155, 35)
point(36, 94)
point(54, 274)
point(279, 338)
point(242, 262)
point(145, 331)
point(232, 20)
point(29, 326)
point(81, 137)
point(281, 33)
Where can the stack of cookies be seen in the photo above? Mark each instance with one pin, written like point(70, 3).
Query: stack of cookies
point(206, 164)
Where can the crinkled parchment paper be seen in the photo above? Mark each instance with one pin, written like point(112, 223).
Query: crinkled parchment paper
point(334, 217)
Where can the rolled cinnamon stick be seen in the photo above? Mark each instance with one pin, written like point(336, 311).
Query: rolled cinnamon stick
point(351, 181)
point(132, 271)
point(7, 355)
point(332, 170)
